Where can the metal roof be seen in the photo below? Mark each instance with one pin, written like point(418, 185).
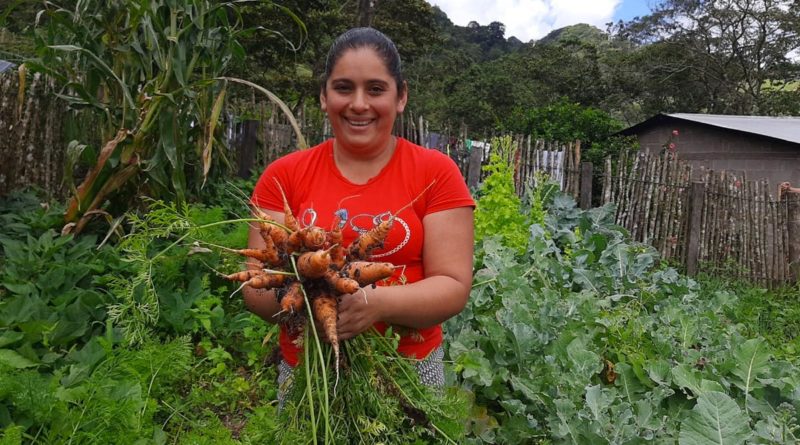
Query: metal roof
point(5, 65)
point(784, 128)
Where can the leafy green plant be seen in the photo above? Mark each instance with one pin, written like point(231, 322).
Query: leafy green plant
point(49, 304)
point(498, 207)
point(103, 396)
point(770, 313)
point(147, 68)
point(586, 340)
point(24, 213)
point(70, 373)
point(377, 399)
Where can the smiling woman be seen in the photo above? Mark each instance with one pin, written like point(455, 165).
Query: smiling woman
point(362, 101)
point(365, 179)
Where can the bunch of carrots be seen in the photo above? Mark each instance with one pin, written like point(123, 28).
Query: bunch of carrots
point(310, 268)
point(310, 265)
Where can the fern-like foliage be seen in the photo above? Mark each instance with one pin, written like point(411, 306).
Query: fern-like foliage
point(136, 311)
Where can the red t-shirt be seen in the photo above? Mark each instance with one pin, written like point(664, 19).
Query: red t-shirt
point(315, 187)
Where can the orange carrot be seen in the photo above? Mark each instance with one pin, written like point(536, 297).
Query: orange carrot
point(269, 254)
point(264, 228)
point(334, 236)
point(292, 299)
point(245, 275)
point(294, 243)
point(313, 264)
point(289, 220)
point(362, 247)
point(266, 281)
point(262, 215)
point(279, 237)
point(338, 256)
point(325, 310)
point(341, 284)
point(365, 272)
point(311, 238)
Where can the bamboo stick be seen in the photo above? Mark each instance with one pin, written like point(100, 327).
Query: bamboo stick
point(622, 173)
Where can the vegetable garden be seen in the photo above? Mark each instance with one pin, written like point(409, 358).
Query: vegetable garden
point(133, 331)
point(573, 334)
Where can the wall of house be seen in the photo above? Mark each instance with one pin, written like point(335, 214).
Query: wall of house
point(720, 149)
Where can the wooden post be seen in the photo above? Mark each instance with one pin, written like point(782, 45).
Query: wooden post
point(793, 231)
point(696, 196)
point(246, 151)
point(474, 169)
point(586, 185)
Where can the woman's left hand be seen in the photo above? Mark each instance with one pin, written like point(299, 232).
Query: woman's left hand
point(357, 312)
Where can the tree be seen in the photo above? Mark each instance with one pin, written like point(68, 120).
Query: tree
point(735, 52)
point(287, 46)
point(289, 56)
point(410, 24)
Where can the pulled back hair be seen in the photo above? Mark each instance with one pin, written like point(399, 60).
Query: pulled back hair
point(357, 38)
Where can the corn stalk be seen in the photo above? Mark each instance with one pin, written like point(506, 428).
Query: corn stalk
point(149, 70)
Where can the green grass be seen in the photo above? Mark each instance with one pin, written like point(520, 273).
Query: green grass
point(770, 313)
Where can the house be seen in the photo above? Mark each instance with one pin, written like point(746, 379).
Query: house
point(761, 147)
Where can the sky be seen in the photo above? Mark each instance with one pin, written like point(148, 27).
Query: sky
point(533, 19)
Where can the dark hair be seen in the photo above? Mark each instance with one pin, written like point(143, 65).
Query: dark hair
point(370, 38)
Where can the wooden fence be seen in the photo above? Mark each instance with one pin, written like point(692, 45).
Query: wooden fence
point(32, 147)
point(258, 141)
point(723, 224)
point(743, 231)
point(651, 196)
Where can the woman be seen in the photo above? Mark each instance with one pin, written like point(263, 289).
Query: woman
point(364, 174)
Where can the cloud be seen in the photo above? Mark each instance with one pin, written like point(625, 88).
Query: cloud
point(529, 19)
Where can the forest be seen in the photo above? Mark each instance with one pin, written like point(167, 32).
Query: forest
point(121, 318)
point(723, 57)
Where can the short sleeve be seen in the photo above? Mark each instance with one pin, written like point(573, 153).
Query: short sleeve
point(266, 194)
point(450, 189)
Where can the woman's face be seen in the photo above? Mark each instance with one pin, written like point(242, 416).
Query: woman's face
point(362, 101)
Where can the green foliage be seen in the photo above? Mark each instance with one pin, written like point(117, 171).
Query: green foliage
point(68, 370)
point(378, 398)
point(716, 418)
point(11, 435)
point(732, 73)
point(48, 303)
point(102, 397)
point(498, 207)
point(14, 47)
point(168, 285)
point(585, 340)
point(567, 121)
point(772, 314)
point(25, 214)
point(148, 68)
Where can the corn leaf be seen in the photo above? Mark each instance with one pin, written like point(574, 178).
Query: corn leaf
point(212, 124)
point(99, 62)
point(301, 141)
